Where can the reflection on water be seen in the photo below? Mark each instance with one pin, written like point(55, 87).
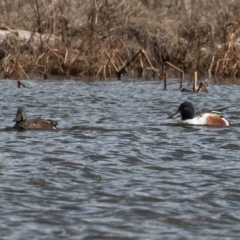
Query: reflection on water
point(117, 168)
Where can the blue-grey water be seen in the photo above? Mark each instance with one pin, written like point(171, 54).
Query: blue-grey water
point(117, 168)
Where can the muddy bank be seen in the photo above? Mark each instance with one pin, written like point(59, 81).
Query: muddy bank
point(98, 38)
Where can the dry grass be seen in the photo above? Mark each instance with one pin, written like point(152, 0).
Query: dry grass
point(97, 38)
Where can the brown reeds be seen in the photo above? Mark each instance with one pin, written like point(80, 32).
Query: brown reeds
point(141, 54)
point(166, 66)
point(229, 64)
point(196, 88)
point(101, 39)
point(20, 83)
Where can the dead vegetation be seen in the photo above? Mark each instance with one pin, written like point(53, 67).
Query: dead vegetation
point(110, 38)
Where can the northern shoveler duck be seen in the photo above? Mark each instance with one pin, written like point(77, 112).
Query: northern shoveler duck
point(189, 116)
point(22, 123)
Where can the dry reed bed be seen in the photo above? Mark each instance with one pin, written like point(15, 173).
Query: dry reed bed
point(109, 38)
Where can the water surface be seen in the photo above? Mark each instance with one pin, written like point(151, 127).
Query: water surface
point(117, 168)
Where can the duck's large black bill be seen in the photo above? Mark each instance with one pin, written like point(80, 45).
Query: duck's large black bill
point(175, 115)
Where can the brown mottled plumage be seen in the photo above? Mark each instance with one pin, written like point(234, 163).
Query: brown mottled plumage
point(22, 123)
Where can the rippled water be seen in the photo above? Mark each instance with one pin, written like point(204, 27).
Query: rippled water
point(117, 168)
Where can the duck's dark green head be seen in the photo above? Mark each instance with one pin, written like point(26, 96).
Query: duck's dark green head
point(186, 110)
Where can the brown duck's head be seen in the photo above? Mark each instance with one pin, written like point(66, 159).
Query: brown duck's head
point(20, 115)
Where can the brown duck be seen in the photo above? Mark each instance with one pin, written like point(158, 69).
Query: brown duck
point(22, 123)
